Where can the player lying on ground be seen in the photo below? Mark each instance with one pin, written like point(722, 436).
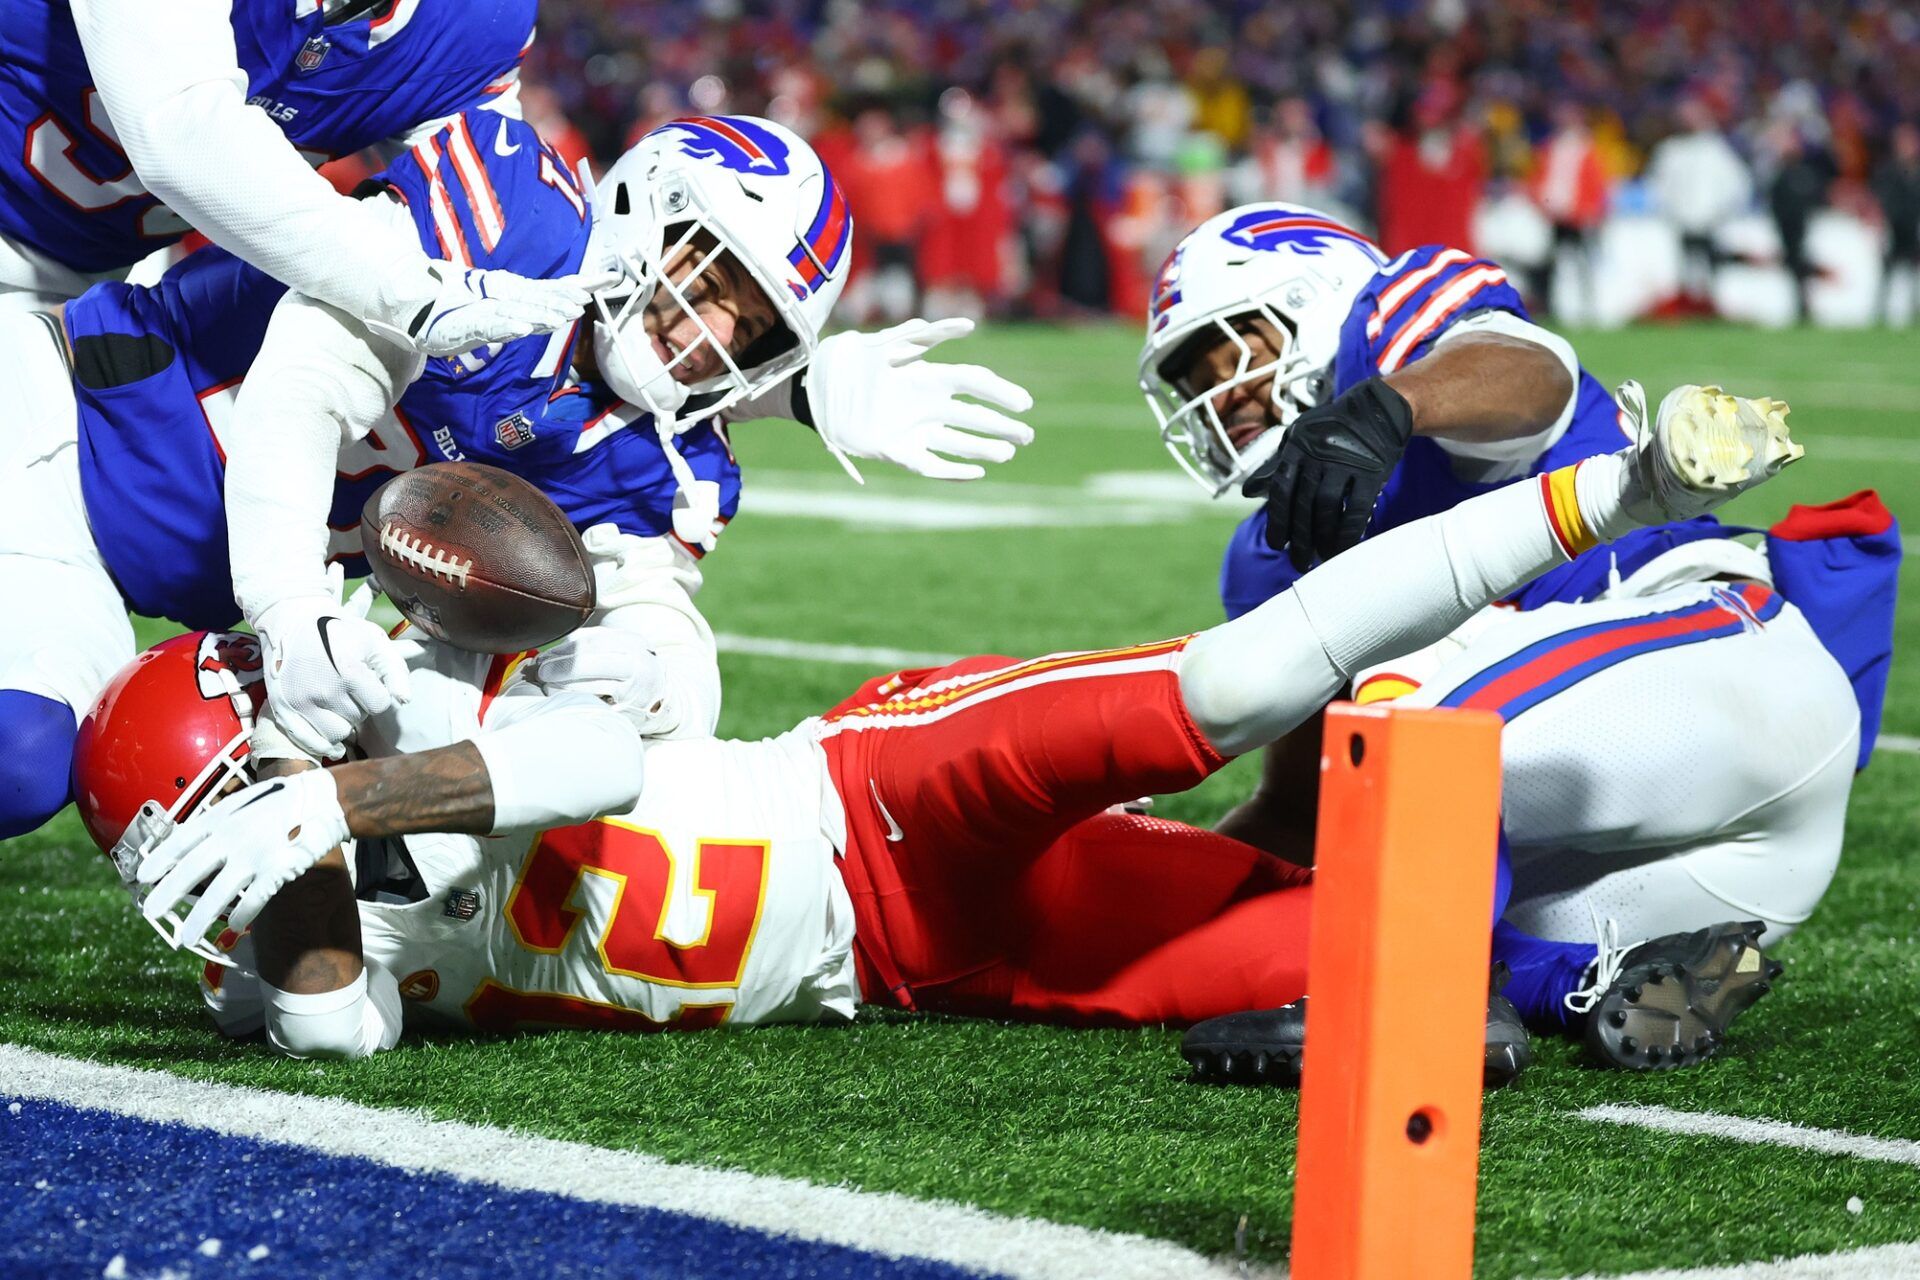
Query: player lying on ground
point(937, 841)
point(202, 449)
point(1644, 780)
point(209, 114)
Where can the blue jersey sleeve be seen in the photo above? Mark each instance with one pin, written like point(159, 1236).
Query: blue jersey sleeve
point(1416, 298)
point(485, 191)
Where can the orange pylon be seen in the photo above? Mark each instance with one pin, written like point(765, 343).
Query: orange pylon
point(1403, 900)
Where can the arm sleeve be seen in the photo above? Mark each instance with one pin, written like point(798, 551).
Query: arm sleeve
point(1523, 448)
point(557, 759)
point(170, 78)
point(646, 587)
point(320, 379)
point(784, 399)
point(356, 1021)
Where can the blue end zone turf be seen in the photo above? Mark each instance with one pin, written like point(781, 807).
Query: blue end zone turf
point(82, 1187)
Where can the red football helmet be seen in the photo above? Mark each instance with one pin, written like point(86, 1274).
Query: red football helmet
point(169, 733)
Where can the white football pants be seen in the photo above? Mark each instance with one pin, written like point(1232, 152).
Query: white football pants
point(67, 631)
point(1678, 788)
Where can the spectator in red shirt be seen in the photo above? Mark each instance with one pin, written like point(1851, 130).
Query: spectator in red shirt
point(962, 254)
point(1570, 186)
point(888, 176)
point(1431, 178)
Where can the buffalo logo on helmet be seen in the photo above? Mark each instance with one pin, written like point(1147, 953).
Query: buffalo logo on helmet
point(1281, 227)
point(229, 654)
point(732, 142)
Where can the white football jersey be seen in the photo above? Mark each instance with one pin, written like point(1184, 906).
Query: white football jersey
point(714, 899)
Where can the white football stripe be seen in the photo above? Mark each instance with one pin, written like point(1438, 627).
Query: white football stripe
point(1887, 1262)
point(880, 659)
point(883, 1223)
point(1774, 1133)
point(1897, 742)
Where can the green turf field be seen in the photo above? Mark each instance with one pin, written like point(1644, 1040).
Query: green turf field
point(1090, 539)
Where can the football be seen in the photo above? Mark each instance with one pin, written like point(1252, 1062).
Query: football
point(477, 557)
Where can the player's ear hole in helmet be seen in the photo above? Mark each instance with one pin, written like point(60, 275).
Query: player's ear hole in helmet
point(168, 738)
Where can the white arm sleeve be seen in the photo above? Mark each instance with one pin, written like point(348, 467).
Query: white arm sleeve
point(320, 380)
point(356, 1021)
point(775, 402)
point(557, 759)
point(646, 587)
point(170, 79)
point(1524, 448)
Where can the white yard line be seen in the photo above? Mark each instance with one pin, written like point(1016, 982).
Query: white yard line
point(1103, 499)
point(880, 659)
point(1897, 742)
point(1885, 1262)
point(894, 1225)
point(1774, 1133)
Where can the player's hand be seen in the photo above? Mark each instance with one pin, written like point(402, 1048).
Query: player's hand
point(327, 669)
point(449, 309)
point(610, 664)
point(1332, 462)
point(253, 844)
point(875, 395)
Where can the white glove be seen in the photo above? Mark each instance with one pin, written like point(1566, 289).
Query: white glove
point(875, 395)
point(448, 309)
point(613, 665)
point(328, 668)
point(253, 843)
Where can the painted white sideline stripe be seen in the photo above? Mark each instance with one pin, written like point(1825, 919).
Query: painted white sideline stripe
point(1777, 1133)
point(883, 1223)
point(1885, 1262)
point(880, 659)
point(1897, 742)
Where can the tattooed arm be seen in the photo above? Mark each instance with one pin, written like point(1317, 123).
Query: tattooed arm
point(544, 760)
point(447, 789)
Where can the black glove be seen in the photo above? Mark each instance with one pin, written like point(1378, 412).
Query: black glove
point(1320, 484)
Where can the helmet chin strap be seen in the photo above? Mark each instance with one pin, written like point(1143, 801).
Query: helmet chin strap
point(649, 384)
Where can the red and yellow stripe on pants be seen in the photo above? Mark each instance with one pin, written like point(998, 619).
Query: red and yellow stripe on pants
point(986, 878)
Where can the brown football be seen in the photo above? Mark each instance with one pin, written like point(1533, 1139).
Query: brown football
point(477, 557)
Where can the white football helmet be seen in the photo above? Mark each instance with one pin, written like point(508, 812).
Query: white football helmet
point(1294, 266)
point(765, 198)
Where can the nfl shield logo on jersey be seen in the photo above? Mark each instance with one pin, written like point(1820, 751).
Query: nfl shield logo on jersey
point(514, 431)
point(312, 53)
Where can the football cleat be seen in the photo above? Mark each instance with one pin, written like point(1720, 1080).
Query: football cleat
point(1265, 1046)
point(1704, 447)
point(1668, 1002)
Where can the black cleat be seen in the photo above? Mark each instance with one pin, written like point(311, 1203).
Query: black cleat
point(1264, 1046)
point(1669, 1001)
point(1508, 1050)
point(1260, 1046)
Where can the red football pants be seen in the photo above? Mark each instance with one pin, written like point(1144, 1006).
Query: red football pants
point(986, 878)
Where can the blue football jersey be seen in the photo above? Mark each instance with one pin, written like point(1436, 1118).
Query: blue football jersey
point(1396, 320)
point(157, 371)
point(334, 88)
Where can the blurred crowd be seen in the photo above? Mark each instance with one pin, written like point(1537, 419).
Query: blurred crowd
point(1040, 157)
